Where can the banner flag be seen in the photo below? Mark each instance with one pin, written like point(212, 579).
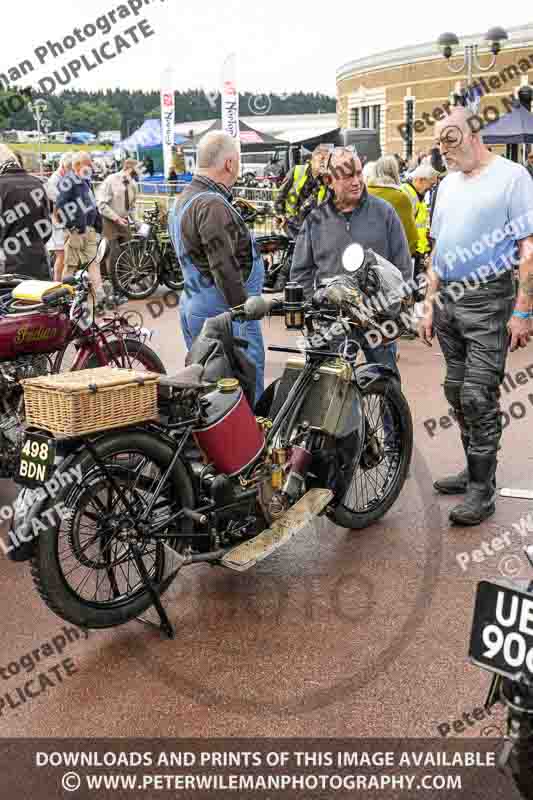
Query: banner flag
point(167, 118)
point(230, 98)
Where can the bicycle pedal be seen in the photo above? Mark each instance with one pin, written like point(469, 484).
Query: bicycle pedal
point(249, 553)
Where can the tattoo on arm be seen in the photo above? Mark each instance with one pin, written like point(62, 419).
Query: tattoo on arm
point(526, 285)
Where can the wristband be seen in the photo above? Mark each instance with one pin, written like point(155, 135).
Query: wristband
point(522, 314)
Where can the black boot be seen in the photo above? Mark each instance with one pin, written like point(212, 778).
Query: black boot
point(479, 502)
point(455, 484)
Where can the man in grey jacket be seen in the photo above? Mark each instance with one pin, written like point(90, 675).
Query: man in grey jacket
point(351, 214)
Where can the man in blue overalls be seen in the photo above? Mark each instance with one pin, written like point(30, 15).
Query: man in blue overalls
point(220, 263)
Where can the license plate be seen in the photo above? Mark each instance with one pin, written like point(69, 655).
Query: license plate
point(501, 640)
point(36, 460)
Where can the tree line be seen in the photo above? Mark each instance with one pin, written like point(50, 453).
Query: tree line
point(125, 110)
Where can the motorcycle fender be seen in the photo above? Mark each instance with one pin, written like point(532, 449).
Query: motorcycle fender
point(367, 374)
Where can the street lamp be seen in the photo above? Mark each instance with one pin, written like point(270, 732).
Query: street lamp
point(447, 41)
point(38, 107)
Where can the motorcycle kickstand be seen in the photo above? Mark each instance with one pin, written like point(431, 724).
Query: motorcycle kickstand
point(166, 625)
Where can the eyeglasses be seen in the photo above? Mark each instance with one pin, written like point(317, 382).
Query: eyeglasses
point(451, 138)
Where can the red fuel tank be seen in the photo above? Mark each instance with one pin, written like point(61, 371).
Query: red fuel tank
point(32, 332)
point(231, 437)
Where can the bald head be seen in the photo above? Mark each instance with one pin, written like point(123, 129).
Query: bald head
point(461, 118)
point(461, 143)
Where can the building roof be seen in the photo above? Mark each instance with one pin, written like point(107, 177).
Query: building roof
point(278, 125)
point(247, 134)
point(520, 36)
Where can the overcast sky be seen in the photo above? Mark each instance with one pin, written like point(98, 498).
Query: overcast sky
point(281, 46)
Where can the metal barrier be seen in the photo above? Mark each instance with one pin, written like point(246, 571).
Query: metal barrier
point(164, 194)
point(259, 196)
point(165, 188)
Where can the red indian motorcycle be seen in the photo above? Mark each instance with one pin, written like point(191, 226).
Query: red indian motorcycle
point(36, 339)
point(213, 481)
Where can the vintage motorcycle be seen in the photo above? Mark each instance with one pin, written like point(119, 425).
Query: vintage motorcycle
point(276, 247)
point(148, 260)
point(213, 481)
point(501, 642)
point(39, 322)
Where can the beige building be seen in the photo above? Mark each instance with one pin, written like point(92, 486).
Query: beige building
point(379, 91)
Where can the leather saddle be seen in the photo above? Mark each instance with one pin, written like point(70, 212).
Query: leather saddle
point(187, 378)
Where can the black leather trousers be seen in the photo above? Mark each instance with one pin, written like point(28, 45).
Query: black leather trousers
point(471, 326)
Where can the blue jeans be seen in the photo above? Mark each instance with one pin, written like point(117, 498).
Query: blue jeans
point(386, 355)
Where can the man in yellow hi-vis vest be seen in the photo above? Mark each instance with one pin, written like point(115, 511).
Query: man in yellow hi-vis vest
point(418, 183)
point(302, 190)
point(303, 182)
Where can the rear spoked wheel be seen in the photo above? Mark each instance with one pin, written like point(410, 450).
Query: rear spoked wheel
point(85, 568)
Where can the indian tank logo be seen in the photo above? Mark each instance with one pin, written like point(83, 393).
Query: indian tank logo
point(26, 335)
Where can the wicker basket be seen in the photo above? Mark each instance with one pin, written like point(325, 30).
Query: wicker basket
point(78, 403)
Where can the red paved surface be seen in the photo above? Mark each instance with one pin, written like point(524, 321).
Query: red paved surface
point(339, 634)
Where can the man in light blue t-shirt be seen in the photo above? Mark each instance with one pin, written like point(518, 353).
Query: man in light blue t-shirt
point(482, 228)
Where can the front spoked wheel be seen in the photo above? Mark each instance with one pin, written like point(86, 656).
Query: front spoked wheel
point(378, 476)
point(84, 566)
point(135, 271)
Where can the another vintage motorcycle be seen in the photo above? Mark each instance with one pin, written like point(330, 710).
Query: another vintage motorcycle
point(147, 260)
point(501, 642)
point(48, 328)
point(275, 246)
point(213, 481)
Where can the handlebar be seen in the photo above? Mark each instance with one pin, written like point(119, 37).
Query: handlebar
point(256, 308)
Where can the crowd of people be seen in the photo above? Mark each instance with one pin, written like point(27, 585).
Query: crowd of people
point(448, 218)
point(450, 200)
point(64, 217)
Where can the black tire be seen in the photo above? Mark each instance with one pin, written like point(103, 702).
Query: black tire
point(138, 355)
point(135, 272)
point(347, 516)
point(173, 276)
point(47, 570)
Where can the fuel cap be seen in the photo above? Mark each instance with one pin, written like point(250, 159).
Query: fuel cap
point(228, 384)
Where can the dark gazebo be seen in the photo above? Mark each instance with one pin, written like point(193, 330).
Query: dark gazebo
point(516, 127)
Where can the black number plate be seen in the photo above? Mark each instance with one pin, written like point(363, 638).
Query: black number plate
point(36, 460)
point(502, 631)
